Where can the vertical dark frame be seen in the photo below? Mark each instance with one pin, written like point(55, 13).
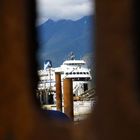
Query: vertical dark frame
point(32, 44)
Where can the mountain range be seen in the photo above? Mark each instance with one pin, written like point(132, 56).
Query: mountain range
point(57, 39)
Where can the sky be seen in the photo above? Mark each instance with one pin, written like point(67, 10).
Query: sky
point(63, 9)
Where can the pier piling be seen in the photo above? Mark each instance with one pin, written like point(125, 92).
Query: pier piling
point(58, 91)
point(68, 97)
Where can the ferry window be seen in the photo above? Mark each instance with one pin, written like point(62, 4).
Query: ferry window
point(66, 44)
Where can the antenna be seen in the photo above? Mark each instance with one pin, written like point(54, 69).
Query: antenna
point(71, 56)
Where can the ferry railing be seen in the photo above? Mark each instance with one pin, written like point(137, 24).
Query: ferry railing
point(88, 95)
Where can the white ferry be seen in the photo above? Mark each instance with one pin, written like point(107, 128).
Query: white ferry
point(75, 69)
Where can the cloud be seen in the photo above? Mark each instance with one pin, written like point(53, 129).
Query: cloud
point(63, 9)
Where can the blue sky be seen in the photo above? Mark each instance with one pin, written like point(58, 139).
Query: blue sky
point(63, 9)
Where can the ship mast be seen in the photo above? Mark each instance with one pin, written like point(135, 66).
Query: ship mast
point(71, 56)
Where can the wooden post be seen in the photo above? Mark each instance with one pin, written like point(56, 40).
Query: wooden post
point(68, 97)
point(58, 91)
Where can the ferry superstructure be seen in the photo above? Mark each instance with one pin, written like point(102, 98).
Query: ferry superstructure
point(82, 87)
